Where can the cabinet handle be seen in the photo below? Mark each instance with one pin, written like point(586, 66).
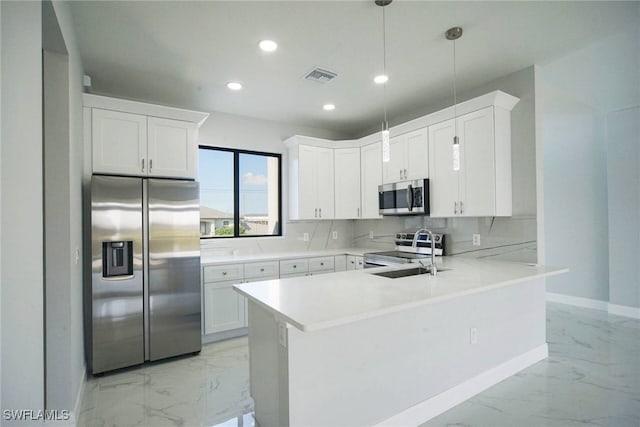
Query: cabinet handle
point(461, 207)
point(224, 273)
point(358, 213)
point(405, 174)
point(294, 266)
point(455, 208)
point(400, 173)
point(321, 264)
point(320, 212)
point(261, 270)
point(150, 164)
point(142, 165)
point(316, 213)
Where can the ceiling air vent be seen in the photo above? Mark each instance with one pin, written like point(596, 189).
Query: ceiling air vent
point(320, 75)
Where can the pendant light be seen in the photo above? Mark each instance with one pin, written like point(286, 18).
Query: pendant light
point(454, 34)
point(386, 149)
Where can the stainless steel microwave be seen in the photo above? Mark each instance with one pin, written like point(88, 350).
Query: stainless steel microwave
point(404, 198)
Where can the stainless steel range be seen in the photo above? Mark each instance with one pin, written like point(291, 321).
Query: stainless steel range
point(409, 248)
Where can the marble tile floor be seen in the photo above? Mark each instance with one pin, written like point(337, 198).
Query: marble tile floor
point(591, 378)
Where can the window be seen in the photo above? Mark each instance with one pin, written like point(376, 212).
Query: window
point(240, 193)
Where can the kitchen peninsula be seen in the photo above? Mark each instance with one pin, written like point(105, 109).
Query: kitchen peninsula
point(353, 348)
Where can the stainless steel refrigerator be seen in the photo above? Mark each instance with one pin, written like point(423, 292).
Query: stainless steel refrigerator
point(144, 300)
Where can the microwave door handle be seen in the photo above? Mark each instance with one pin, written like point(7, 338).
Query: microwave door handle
point(410, 197)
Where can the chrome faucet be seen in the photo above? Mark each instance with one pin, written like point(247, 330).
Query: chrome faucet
point(434, 270)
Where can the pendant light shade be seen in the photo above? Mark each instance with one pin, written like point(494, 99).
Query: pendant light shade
point(454, 34)
point(386, 149)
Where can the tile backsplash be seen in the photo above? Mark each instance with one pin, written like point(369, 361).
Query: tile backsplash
point(320, 236)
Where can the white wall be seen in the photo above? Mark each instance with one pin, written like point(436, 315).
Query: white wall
point(63, 201)
point(590, 142)
point(21, 193)
point(623, 177)
point(575, 194)
point(512, 238)
point(227, 130)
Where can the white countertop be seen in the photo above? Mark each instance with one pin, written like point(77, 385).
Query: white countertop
point(206, 260)
point(316, 302)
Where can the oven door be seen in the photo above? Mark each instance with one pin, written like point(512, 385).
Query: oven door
point(404, 198)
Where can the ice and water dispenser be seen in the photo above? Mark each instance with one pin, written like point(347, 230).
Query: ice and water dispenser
point(117, 258)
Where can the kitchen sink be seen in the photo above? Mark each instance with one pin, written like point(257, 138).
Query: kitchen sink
point(395, 274)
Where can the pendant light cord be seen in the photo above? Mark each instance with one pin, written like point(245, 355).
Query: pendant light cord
point(455, 94)
point(384, 65)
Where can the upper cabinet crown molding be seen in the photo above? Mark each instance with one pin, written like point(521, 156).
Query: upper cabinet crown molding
point(136, 107)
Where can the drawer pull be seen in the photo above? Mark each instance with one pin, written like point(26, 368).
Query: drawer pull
point(322, 263)
point(294, 266)
point(224, 273)
point(261, 270)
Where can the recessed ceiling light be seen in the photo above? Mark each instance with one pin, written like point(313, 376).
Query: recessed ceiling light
point(329, 107)
point(234, 85)
point(268, 45)
point(380, 79)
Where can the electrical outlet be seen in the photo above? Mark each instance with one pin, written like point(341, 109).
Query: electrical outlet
point(476, 240)
point(473, 335)
point(371, 234)
point(282, 334)
point(334, 235)
point(305, 237)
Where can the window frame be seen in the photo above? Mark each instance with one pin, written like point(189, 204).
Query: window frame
point(236, 192)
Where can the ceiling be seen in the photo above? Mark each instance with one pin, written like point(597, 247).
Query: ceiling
point(183, 53)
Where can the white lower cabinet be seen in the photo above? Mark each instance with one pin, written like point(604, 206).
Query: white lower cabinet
point(224, 308)
point(355, 262)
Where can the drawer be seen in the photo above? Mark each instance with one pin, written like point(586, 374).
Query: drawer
point(218, 273)
point(340, 263)
point(290, 266)
point(261, 269)
point(321, 263)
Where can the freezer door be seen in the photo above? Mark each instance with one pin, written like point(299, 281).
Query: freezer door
point(174, 268)
point(117, 332)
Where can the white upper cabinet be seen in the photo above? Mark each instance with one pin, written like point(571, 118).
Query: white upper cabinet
point(311, 182)
point(134, 138)
point(171, 148)
point(482, 186)
point(119, 142)
point(347, 183)
point(371, 178)
point(408, 158)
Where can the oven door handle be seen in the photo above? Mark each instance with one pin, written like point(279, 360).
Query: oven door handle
point(410, 197)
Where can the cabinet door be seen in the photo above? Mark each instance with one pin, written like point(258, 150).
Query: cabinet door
point(477, 163)
point(171, 148)
point(347, 178)
point(307, 197)
point(443, 180)
point(394, 169)
point(417, 154)
point(352, 262)
point(224, 308)
point(324, 182)
point(119, 142)
point(340, 263)
point(371, 166)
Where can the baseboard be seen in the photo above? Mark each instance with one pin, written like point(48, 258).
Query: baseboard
point(76, 408)
point(578, 301)
point(221, 336)
point(624, 310)
point(615, 309)
point(74, 414)
point(424, 411)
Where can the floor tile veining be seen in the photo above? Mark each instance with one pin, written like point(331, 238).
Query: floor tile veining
point(591, 378)
point(205, 390)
